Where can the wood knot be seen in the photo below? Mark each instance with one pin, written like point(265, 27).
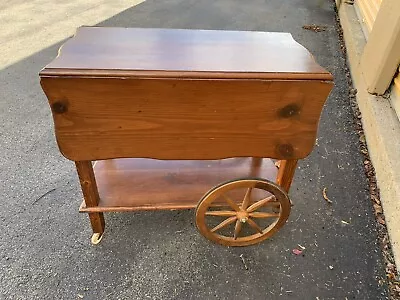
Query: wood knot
point(285, 150)
point(289, 111)
point(59, 107)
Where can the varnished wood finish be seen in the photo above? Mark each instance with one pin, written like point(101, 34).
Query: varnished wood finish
point(184, 119)
point(99, 51)
point(256, 165)
point(242, 214)
point(178, 75)
point(186, 95)
point(286, 172)
point(90, 194)
point(143, 184)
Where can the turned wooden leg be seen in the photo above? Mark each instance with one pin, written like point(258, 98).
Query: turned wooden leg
point(256, 163)
point(286, 173)
point(91, 196)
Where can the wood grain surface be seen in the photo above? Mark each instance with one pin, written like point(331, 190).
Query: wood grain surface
point(90, 194)
point(102, 118)
point(143, 184)
point(286, 172)
point(143, 52)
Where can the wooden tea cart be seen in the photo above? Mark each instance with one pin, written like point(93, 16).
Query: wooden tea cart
point(178, 119)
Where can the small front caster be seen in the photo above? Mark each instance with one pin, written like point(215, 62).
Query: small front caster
point(96, 238)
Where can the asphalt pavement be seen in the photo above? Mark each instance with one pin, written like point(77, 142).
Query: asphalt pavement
point(45, 250)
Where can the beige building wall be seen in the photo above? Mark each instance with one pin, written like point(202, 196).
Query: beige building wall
point(380, 20)
point(368, 9)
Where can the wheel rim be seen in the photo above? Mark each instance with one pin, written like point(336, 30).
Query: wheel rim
point(242, 211)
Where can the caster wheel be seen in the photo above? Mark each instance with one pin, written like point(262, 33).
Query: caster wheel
point(242, 212)
point(96, 238)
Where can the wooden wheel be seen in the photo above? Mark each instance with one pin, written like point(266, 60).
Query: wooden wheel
point(242, 212)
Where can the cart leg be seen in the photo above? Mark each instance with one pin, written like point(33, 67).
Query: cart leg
point(91, 196)
point(286, 173)
point(256, 163)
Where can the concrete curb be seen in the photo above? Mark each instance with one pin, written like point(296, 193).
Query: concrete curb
point(381, 127)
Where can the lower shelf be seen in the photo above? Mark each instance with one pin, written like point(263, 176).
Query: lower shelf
point(132, 184)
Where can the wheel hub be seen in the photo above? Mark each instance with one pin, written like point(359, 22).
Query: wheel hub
point(242, 216)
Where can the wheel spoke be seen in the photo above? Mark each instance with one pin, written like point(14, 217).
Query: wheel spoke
point(231, 203)
point(263, 215)
point(260, 203)
point(224, 223)
point(221, 213)
point(238, 228)
point(254, 225)
point(246, 200)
